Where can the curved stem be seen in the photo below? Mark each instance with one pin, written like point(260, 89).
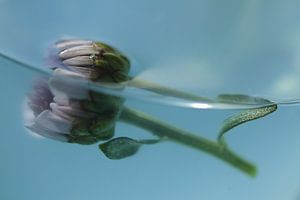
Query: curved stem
point(162, 129)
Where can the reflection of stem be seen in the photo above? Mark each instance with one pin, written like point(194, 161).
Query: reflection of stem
point(162, 129)
point(165, 91)
point(23, 64)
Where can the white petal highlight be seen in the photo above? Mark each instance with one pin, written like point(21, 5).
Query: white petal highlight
point(83, 50)
point(65, 44)
point(84, 61)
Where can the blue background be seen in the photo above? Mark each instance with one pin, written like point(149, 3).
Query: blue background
point(206, 47)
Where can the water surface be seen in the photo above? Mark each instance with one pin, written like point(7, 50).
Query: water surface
point(249, 47)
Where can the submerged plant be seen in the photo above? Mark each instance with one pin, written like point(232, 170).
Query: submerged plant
point(65, 109)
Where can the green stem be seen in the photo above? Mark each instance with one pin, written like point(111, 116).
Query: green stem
point(162, 129)
point(165, 91)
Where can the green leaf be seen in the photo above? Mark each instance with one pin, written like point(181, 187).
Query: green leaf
point(245, 116)
point(123, 147)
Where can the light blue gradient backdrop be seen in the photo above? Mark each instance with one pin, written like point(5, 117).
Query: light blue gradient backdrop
point(249, 44)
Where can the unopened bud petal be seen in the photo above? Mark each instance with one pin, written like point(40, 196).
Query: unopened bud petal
point(65, 44)
point(83, 50)
point(84, 61)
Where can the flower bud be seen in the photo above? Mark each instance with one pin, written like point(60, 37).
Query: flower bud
point(96, 60)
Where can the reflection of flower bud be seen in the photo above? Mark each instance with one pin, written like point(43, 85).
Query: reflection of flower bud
point(63, 108)
point(65, 119)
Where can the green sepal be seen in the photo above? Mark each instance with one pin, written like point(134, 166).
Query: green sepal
point(85, 140)
point(99, 108)
point(80, 127)
point(120, 76)
point(101, 64)
point(105, 47)
point(101, 124)
point(106, 135)
point(101, 103)
point(116, 62)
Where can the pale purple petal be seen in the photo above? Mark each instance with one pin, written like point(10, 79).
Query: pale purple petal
point(64, 101)
point(40, 97)
point(84, 61)
point(49, 121)
point(69, 85)
point(65, 44)
point(57, 111)
point(28, 113)
point(37, 129)
point(52, 59)
point(67, 111)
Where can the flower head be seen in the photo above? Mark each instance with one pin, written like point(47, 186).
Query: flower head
point(63, 108)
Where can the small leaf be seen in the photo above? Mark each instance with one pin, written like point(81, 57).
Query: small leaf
point(122, 147)
point(245, 116)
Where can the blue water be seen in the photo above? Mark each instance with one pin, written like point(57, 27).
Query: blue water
point(249, 47)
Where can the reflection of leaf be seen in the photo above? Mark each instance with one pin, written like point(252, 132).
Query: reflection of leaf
point(242, 99)
point(123, 147)
point(245, 116)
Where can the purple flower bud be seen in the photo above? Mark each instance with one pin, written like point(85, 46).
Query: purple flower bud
point(62, 106)
point(94, 60)
point(44, 122)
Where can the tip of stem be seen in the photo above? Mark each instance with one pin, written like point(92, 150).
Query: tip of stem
point(252, 172)
point(249, 169)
